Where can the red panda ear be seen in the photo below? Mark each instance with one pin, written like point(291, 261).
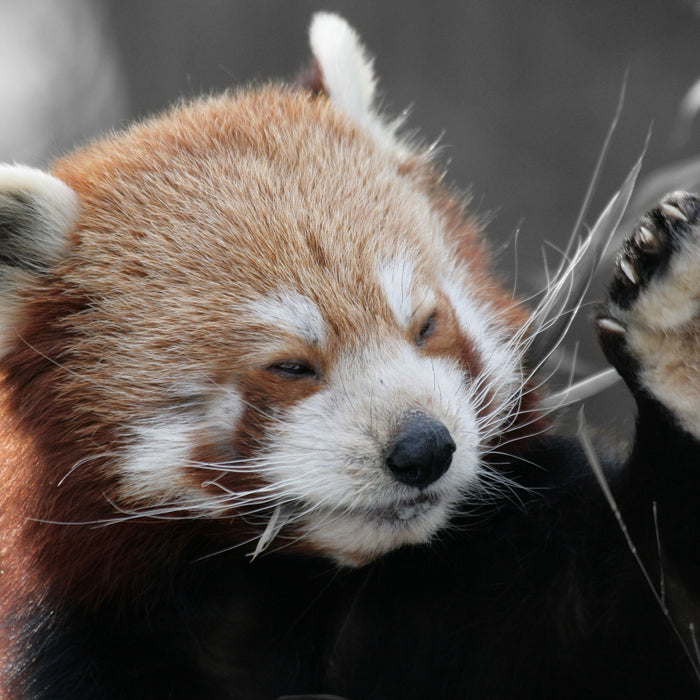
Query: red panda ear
point(343, 70)
point(37, 212)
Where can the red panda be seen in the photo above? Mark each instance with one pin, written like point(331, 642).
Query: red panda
point(264, 404)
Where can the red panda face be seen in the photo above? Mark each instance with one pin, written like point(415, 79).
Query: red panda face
point(271, 316)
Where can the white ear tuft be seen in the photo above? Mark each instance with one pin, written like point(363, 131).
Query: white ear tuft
point(347, 70)
point(348, 76)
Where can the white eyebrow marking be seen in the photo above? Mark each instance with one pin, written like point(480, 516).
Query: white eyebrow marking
point(405, 295)
point(396, 280)
point(293, 313)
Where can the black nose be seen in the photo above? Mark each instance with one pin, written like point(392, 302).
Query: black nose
point(422, 452)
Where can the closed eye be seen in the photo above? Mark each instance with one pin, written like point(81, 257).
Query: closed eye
point(294, 369)
point(426, 329)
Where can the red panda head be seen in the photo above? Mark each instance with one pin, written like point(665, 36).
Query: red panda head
point(260, 311)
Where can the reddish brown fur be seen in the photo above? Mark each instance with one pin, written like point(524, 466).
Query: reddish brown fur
point(115, 327)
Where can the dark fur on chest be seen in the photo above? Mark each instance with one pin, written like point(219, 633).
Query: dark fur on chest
point(540, 598)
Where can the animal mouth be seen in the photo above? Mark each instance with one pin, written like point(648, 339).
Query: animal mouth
point(406, 510)
point(395, 514)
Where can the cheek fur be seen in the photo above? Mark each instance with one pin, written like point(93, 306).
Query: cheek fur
point(329, 449)
point(450, 341)
point(265, 397)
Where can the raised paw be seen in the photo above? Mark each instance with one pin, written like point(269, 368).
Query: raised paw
point(650, 325)
point(664, 239)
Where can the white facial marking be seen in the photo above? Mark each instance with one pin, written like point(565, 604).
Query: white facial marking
point(327, 454)
point(223, 412)
point(292, 313)
point(396, 280)
point(152, 470)
point(499, 351)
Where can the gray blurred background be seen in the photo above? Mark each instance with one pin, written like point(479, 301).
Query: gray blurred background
point(520, 94)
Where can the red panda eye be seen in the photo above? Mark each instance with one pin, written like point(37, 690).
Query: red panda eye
point(427, 329)
point(294, 369)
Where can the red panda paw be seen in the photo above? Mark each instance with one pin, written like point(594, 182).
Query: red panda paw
point(650, 326)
